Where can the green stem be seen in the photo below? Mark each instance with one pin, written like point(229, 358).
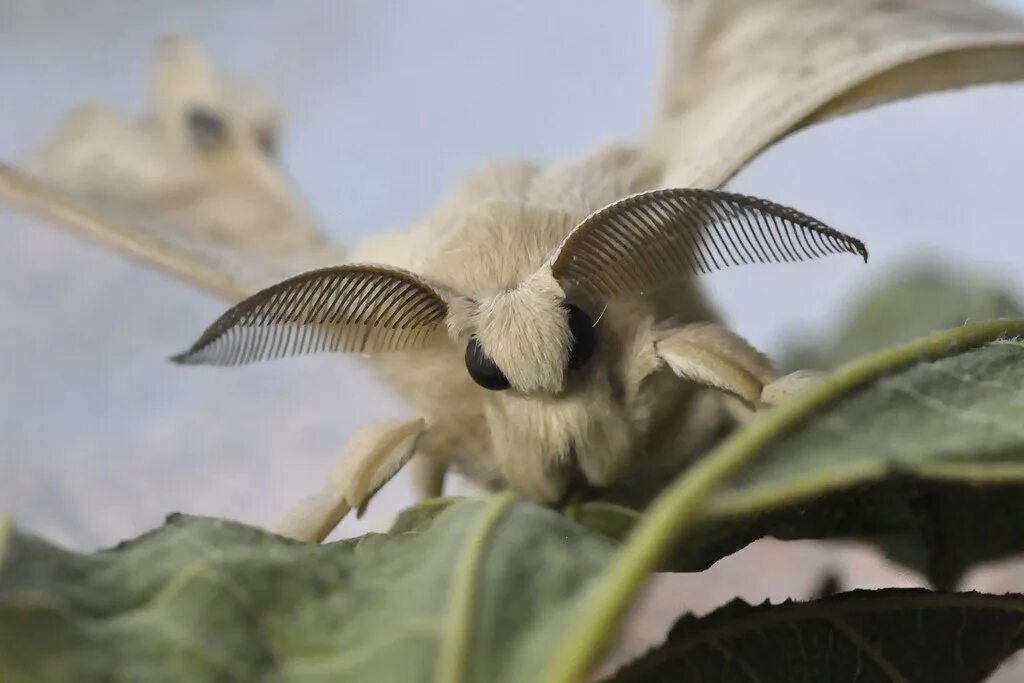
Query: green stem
point(680, 505)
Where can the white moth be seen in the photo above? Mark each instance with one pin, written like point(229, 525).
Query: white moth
point(543, 324)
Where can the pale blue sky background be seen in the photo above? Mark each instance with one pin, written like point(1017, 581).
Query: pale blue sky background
point(389, 103)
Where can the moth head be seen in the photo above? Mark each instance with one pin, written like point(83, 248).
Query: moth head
point(528, 338)
point(525, 339)
point(533, 336)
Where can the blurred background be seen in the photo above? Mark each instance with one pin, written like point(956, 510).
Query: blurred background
point(388, 104)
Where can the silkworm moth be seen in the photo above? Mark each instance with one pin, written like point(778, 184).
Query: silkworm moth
point(544, 325)
point(545, 328)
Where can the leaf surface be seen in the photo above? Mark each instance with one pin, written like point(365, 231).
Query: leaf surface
point(917, 461)
point(467, 596)
point(946, 408)
point(886, 636)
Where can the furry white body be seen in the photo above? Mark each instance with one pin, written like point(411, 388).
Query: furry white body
point(486, 242)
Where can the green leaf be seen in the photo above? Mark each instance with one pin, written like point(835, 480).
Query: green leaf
point(916, 461)
point(861, 425)
point(917, 464)
point(419, 516)
point(496, 589)
point(955, 421)
point(471, 595)
point(886, 636)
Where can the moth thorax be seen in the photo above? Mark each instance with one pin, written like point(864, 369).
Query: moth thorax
point(525, 332)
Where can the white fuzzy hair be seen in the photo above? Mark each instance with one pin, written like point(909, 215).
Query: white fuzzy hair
point(489, 243)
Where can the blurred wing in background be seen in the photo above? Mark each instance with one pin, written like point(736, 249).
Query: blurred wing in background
point(741, 74)
point(195, 190)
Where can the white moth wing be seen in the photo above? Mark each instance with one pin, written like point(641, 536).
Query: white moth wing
point(160, 240)
point(98, 152)
point(741, 74)
point(223, 218)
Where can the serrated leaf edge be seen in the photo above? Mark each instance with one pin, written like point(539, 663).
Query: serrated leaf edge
point(767, 614)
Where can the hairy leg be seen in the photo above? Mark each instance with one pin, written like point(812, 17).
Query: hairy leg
point(784, 387)
point(373, 456)
point(711, 355)
point(428, 476)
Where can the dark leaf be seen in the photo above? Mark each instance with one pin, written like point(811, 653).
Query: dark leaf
point(886, 636)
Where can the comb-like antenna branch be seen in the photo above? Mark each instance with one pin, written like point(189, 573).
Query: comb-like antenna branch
point(650, 239)
point(361, 308)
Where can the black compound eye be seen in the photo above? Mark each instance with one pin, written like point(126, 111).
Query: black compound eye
point(482, 369)
point(206, 130)
point(584, 337)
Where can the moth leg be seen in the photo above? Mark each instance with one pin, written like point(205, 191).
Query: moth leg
point(373, 456)
point(740, 411)
point(784, 387)
point(710, 355)
point(312, 519)
point(428, 474)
